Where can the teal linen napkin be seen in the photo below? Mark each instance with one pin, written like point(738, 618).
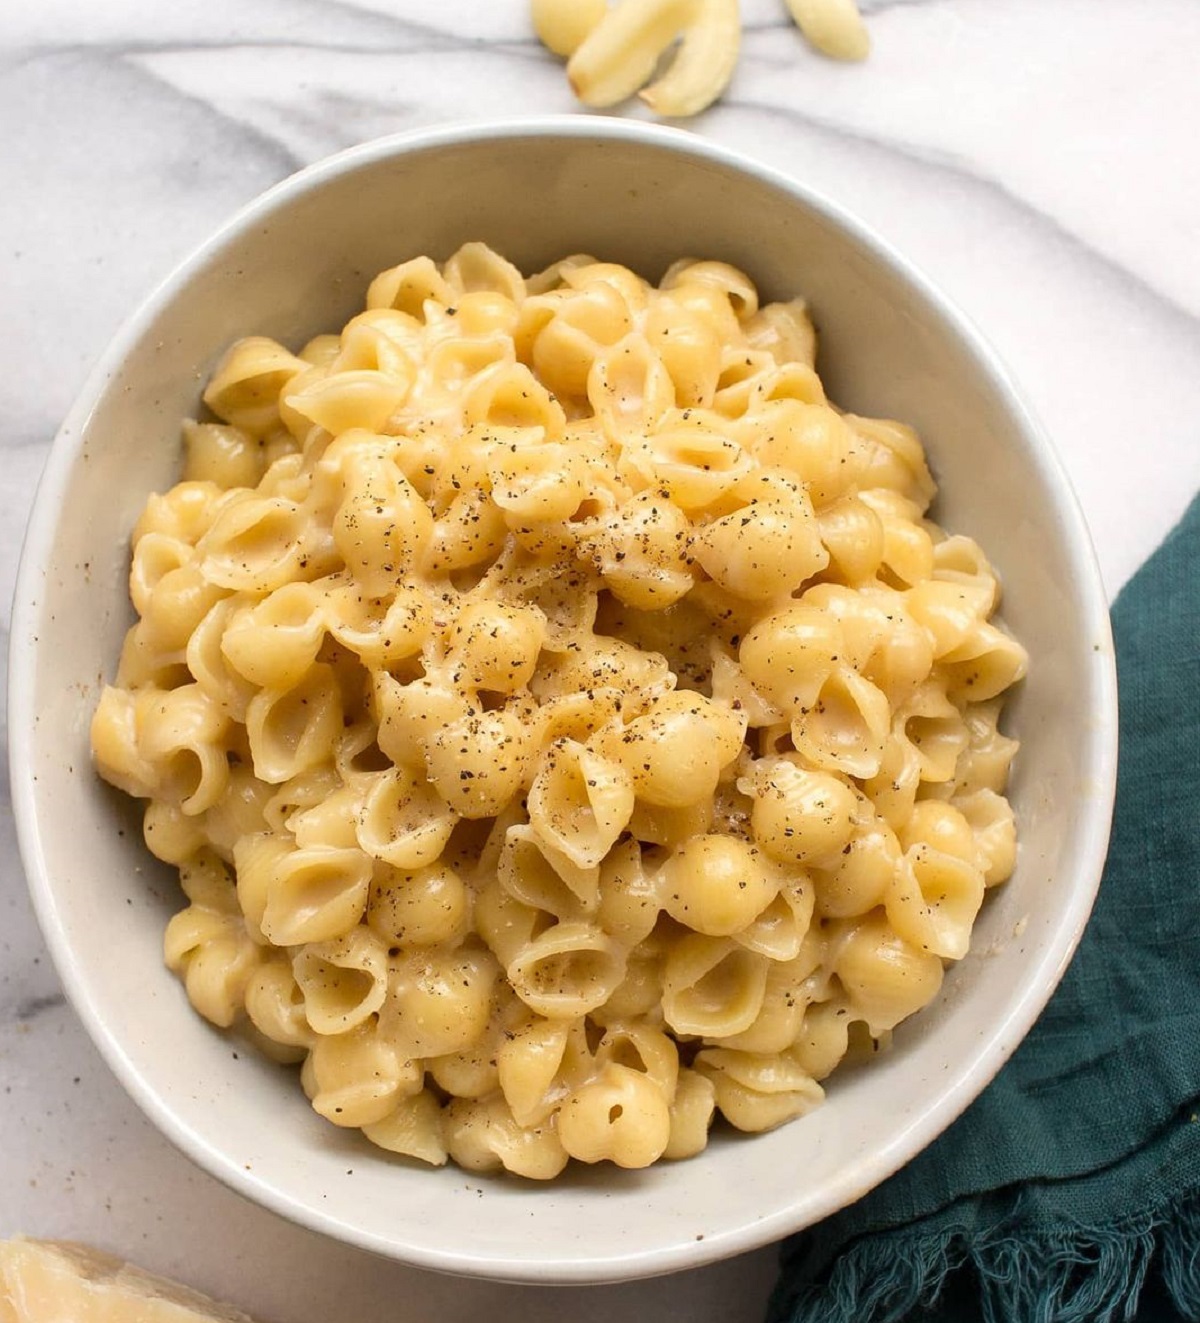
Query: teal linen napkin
point(1069, 1192)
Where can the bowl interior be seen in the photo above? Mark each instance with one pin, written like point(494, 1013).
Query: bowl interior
point(298, 263)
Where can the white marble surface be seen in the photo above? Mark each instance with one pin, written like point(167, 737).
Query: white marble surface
point(1037, 157)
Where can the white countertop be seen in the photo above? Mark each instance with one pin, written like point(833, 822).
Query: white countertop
point(1037, 157)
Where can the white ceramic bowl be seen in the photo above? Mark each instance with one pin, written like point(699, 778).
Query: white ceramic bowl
point(297, 262)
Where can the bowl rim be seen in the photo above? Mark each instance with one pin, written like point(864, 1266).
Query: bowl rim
point(1002, 1038)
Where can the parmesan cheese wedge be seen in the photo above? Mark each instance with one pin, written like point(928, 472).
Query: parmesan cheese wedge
point(45, 1281)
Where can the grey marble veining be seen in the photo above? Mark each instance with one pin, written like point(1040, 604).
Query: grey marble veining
point(1018, 150)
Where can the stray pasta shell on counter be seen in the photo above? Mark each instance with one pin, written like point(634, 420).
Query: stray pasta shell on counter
point(612, 52)
point(703, 65)
point(563, 25)
point(834, 27)
point(620, 54)
point(561, 767)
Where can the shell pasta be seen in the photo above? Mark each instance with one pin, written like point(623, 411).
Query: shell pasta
point(568, 726)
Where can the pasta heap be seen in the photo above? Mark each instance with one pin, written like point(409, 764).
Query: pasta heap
point(566, 724)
